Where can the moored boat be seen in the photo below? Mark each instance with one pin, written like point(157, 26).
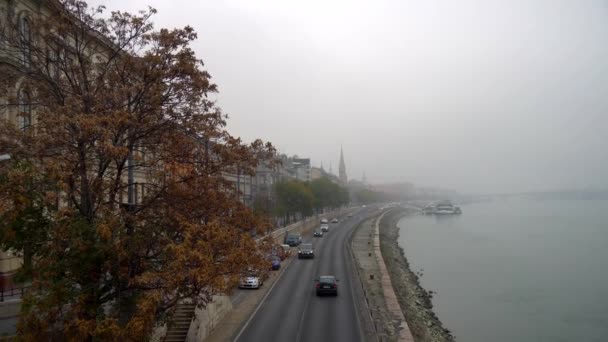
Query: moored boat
point(445, 208)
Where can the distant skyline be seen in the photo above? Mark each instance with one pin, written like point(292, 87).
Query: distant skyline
point(479, 96)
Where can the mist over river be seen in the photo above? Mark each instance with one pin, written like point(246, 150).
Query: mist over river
point(516, 270)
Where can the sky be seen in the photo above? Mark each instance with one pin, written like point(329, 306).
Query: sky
point(478, 96)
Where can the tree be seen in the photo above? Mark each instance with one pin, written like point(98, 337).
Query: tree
point(293, 197)
point(122, 110)
point(328, 194)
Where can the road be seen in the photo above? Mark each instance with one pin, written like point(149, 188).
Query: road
point(292, 311)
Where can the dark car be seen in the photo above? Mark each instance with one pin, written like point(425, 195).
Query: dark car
point(327, 284)
point(318, 233)
point(306, 251)
point(275, 262)
point(293, 239)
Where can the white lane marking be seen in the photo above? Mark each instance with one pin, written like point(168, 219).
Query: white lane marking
point(261, 302)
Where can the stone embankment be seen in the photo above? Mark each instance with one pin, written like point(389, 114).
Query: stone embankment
point(414, 300)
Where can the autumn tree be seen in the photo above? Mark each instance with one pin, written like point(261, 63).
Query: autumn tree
point(115, 192)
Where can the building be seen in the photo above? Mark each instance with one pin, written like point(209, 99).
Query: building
point(22, 54)
point(15, 100)
point(319, 172)
point(302, 168)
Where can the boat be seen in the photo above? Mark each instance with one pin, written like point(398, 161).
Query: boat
point(445, 208)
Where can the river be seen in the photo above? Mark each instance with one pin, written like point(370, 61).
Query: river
point(516, 270)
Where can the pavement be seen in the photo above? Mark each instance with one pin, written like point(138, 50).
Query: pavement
point(390, 298)
point(289, 310)
point(384, 327)
point(8, 326)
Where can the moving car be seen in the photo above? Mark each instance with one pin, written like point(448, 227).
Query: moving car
point(318, 233)
point(327, 284)
point(324, 220)
point(293, 239)
point(324, 227)
point(306, 251)
point(335, 220)
point(250, 281)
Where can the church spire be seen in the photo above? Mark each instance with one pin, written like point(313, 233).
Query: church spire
point(342, 168)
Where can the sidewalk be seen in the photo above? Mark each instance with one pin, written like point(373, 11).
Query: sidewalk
point(389, 325)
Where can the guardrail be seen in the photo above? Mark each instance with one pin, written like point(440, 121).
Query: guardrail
point(12, 292)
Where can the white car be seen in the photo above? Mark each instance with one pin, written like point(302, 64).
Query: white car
point(324, 221)
point(334, 220)
point(250, 281)
point(324, 227)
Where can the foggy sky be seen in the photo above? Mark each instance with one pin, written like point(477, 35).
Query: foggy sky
point(471, 95)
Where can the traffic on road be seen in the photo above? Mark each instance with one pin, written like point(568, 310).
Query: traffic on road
point(315, 298)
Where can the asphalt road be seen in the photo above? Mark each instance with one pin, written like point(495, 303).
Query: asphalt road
point(293, 312)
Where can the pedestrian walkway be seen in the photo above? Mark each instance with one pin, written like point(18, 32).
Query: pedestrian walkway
point(386, 314)
point(390, 297)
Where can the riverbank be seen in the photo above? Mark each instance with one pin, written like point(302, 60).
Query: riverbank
point(414, 300)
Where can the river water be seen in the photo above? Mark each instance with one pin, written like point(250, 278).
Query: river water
point(516, 270)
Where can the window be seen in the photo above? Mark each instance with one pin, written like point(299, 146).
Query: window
point(26, 40)
point(24, 117)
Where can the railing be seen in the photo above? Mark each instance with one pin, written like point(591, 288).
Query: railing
point(12, 292)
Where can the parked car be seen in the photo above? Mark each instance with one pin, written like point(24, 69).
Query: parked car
point(306, 251)
point(286, 250)
point(327, 284)
point(317, 233)
point(279, 251)
point(324, 227)
point(335, 220)
point(275, 262)
point(293, 239)
point(250, 281)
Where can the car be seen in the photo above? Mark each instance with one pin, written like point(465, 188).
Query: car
point(324, 220)
point(317, 233)
point(286, 250)
point(279, 251)
point(306, 251)
point(326, 285)
point(324, 227)
point(250, 281)
point(334, 220)
point(293, 239)
point(275, 262)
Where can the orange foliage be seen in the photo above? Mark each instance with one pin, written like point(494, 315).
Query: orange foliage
point(122, 91)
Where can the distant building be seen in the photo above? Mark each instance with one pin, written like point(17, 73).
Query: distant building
point(302, 168)
point(317, 173)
